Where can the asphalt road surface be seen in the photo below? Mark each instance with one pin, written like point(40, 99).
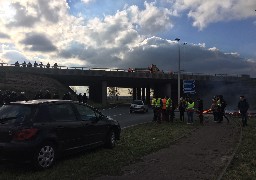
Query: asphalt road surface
point(122, 115)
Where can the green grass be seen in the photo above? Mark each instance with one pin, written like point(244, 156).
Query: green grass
point(135, 143)
point(243, 165)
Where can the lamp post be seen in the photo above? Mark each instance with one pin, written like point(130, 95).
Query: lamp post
point(177, 39)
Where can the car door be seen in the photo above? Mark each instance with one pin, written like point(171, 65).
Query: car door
point(95, 126)
point(67, 126)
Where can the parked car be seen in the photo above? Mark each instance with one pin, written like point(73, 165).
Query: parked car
point(41, 130)
point(138, 106)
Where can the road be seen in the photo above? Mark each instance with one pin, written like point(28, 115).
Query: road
point(122, 115)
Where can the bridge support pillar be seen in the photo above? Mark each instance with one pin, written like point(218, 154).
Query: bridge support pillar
point(143, 94)
point(148, 95)
point(134, 93)
point(139, 93)
point(98, 92)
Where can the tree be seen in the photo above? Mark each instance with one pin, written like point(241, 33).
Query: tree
point(113, 91)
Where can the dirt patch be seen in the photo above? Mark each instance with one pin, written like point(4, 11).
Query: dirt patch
point(202, 154)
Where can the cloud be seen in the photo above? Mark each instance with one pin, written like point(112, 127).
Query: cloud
point(22, 17)
point(87, 1)
point(152, 19)
point(38, 42)
point(47, 31)
point(204, 13)
point(4, 36)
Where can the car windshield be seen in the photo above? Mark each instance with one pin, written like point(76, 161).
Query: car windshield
point(138, 102)
point(14, 113)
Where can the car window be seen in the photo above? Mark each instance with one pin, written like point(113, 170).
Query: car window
point(14, 113)
point(62, 112)
point(43, 114)
point(138, 102)
point(86, 112)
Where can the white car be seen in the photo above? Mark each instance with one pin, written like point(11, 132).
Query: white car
point(138, 106)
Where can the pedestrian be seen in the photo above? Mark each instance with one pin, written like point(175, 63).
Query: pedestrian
point(221, 109)
point(22, 97)
point(168, 108)
point(158, 108)
point(35, 64)
point(243, 107)
point(190, 110)
point(80, 98)
point(85, 98)
point(47, 95)
point(163, 109)
point(153, 104)
point(182, 108)
point(214, 109)
point(56, 95)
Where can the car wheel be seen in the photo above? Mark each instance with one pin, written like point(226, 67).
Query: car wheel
point(45, 156)
point(130, 111)
point(111, 139)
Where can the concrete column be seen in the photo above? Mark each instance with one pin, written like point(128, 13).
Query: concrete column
point(143, 94)
point(139, 93)
point(134, 93)
point(148, 95)
point(98, 92)
point(104, 92)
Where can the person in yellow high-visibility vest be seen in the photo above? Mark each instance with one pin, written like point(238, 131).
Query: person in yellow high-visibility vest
point(153, 104)
point(190, 110)
point(168, 108)
point(158, 109)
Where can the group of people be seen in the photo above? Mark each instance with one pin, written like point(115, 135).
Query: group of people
point(163, 109)
point(218, 108)
point(11, 96)
point(24, 64)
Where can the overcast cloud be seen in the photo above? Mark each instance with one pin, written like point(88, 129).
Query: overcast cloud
point(46, 31)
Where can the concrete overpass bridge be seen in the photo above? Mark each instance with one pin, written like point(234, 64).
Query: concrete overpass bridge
point(141, 82)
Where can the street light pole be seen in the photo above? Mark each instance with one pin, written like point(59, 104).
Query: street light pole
point(177, 39)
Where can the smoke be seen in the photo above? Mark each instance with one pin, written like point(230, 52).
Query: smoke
point(231, 92)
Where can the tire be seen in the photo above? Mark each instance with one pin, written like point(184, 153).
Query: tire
point(130, 111)
point(111, 140)
point(45, 156)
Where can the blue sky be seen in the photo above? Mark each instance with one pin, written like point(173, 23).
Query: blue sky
point(220, 35)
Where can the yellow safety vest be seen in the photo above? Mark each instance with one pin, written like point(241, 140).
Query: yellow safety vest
point(153, 102)
point(158, 102)
point(190, 106)
point(169, 103)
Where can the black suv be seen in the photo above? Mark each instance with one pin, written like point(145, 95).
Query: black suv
point(41, 130)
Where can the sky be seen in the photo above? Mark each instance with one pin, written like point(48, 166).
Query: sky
point(216, 37)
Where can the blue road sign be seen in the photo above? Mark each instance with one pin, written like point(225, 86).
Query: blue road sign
point(189, 86)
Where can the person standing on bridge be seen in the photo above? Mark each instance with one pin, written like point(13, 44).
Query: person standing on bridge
point(243, 107)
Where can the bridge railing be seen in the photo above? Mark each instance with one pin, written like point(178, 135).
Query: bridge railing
point(123, 73)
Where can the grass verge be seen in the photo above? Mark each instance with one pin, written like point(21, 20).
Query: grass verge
point(135, 143)
point(243, 165)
